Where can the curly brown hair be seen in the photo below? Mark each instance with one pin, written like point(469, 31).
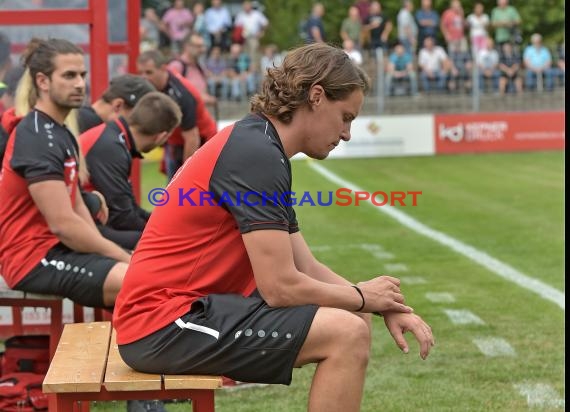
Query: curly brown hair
point(286, 88)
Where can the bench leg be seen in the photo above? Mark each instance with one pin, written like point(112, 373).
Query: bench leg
point(203, 401)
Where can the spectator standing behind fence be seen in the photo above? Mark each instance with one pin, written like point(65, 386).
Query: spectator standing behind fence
point(199, 26)
point(434, 64)
point(428, 21)
point(351, 27)
point(509, 66)
point(218, 24)
point(314, 28)
point(178, 21)
point(401, 67)
point(189, 66)
point(478, 23)
point(538, 63)
point(271, 58)
point(407, 27)
point(150, 27)
point(453, 27)
point(253, 23)
point(488, 64)
point(379, 26)
point(506, 20)
point(352, 52)
point(561, 63)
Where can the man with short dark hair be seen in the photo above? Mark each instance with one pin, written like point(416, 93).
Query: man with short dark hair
point(109, 149)
point(119, 99)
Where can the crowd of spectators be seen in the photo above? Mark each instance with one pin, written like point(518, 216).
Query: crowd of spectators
point(423, 51)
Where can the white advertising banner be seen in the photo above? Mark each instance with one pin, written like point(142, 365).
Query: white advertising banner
point(378, 136)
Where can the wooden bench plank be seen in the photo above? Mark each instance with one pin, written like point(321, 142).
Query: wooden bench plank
point(192, 382)
point(79, 362)
point(120, 377)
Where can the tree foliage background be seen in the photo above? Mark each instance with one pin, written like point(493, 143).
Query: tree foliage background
point(538, 16)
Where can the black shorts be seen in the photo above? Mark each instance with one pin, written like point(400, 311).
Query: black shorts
point(230, 335)
point(73, 275)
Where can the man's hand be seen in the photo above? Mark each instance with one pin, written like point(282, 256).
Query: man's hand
point(400, 323)
point(383, 294)
point(103, 213)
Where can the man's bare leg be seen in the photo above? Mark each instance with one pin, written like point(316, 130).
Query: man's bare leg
point(113, 283)
point(339, 341)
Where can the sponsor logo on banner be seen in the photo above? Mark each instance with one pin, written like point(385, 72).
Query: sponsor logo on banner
point(492, 132)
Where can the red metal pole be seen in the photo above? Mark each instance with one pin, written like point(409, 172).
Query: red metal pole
point(133, 41)
point(99, 48)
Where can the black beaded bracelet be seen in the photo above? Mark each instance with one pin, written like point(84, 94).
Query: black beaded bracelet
point(362, 296)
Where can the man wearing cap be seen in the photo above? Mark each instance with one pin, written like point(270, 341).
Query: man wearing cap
point(109, 149)
point(118, 100)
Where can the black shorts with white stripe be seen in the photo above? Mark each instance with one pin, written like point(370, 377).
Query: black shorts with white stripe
point(230, 335)
point(74, 275)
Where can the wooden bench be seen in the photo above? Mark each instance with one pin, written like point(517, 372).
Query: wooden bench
point(18, 300)
point(87, 367)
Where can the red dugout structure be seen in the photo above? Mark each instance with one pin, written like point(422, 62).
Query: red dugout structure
point(99, 46)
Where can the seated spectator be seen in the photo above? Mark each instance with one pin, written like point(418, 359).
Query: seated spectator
point(379, 26)
point(561, 64)
point(243, 79)
point(50, 244)
point(460, 70)
point(216, 73)
point(351, 28)
point(434, 65)
point(509, 66)
point(538, 64)
point(401, 68)
point(271, 58)
point(488, 65)
point(119, 99)
point(350, 49)
point(110, 148)
point(178, 22)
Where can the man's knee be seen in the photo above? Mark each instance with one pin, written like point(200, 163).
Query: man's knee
point(113, 283)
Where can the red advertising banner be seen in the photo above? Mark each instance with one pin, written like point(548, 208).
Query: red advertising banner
point(499, 132)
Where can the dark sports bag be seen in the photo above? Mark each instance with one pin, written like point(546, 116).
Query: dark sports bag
point(25, 354)
point(22, 392)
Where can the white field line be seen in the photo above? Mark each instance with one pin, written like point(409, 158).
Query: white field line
point(376, 250)
point(440, 297)
point(463, 317)
point(412, 280)
point(501, 269)
point(395, 267)
point(540, 395)
point(493, 347)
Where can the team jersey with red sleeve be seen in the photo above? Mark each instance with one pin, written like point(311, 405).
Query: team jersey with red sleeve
point(38, 149)
point(192, 246)
point(109, 150)
point(194, 112)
